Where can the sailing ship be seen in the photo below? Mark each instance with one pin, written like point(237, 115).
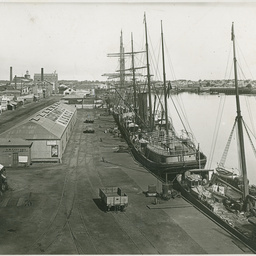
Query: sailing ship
point(152, 139)
point(225, 197)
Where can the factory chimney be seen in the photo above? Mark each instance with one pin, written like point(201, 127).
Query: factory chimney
point(42, 74)
point(10, 74)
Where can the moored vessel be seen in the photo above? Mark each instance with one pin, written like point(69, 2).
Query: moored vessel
point(151, 137)
point(222, 195)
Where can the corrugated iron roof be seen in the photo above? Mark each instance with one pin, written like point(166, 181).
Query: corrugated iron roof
point(14, 142)
point(49, 123)
point(74, 96)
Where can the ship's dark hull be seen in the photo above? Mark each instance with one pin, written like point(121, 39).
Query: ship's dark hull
point(210, 214)
point(160, 169)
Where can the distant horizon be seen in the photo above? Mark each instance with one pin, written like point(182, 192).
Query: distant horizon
point(69, 80)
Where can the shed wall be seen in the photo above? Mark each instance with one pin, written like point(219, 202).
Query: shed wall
point(43, 150)
point(12, 156)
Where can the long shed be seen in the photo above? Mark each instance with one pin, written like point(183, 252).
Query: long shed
point(49, 130)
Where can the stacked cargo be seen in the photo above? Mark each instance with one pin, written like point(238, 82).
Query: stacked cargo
point(193, 180)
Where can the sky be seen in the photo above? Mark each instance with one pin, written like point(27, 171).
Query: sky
point(74, 39)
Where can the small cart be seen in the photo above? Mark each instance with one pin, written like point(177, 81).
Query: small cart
point(112, 197)
point(3, 179)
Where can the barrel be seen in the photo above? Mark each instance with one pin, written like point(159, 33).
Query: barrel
point(165, 188)
point(152, 188)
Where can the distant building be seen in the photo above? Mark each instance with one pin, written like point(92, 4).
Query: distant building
point(22, 83)
point(79, 98)
point(69, 91)
point(50, 80)
point(62, 88)
point(10, 92)
point(5, 100)
point(102, 86)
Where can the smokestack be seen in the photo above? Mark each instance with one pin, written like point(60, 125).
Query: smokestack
point(10, 74)
point(42, 74)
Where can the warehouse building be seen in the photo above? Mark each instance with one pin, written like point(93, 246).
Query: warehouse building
point(15, 152)
point(48, 130)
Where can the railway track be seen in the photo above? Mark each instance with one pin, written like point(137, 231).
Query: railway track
point(61, 217)
point(10, 118)
point(76, 223)
point(139, 239)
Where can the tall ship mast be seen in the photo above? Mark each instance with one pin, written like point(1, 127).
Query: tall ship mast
point(122, 61)
point(148, 77)
point(239, 119)
point(133, 79)
point(161, 151)
point(165, 90)
point(224, 197)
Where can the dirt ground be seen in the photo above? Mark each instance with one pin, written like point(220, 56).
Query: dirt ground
point(55, 208)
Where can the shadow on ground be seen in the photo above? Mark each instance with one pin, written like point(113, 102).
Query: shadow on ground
point(100, 204)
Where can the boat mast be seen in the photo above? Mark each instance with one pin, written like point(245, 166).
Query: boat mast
point(133, 79)
point(239, 124)
point(148, 77)
point(164, 77)
point(122, 62)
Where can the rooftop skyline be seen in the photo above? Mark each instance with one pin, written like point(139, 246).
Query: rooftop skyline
point(75, 38)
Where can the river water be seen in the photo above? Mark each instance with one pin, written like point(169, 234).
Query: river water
point(203, 112)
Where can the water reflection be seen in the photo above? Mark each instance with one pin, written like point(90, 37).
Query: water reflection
point(202, 112)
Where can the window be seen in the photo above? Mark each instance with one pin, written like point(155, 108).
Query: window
point(54, 151)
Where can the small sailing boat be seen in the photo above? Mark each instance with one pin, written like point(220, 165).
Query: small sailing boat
point(160, 150)
point(225, 197)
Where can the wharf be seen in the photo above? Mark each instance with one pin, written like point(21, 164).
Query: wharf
point(62, 212)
